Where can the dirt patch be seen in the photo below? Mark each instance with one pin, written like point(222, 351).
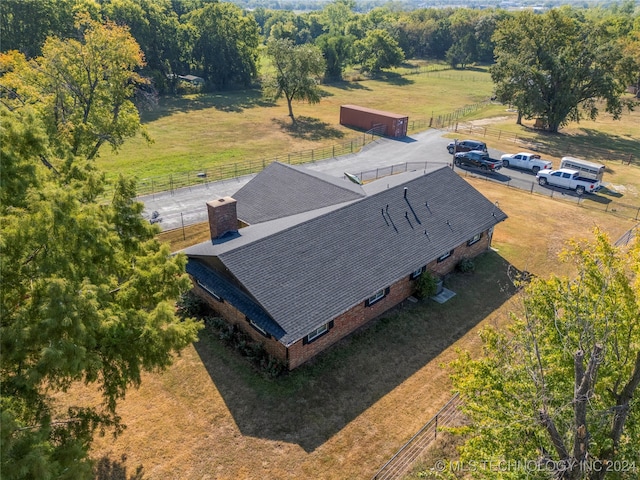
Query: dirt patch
point(489, 121)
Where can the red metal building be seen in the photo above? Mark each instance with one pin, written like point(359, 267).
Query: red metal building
point(387, 123)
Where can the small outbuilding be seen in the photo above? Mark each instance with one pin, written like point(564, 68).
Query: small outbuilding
point(386, 123)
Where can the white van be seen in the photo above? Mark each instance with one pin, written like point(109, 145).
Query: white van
point(591, 170)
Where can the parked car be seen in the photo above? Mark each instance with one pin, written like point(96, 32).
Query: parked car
point(527, 161)
point(466, 146)
point(567, 178)
point(477, 159)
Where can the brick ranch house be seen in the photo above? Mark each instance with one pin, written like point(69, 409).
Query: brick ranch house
point(316, 256)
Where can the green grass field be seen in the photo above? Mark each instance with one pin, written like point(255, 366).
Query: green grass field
point(202, 131)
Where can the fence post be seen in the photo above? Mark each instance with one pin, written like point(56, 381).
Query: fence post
point(637, 213)
point(184, 237)
point(435, 430)
point(532, 184)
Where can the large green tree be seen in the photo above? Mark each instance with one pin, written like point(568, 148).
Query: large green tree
point(378, 50)
point(25, 24)
point(83, 88)
point(88, 294)
point(556, 396)
point(558, 67)
point(156, 28)
point(225, 44)
point(298, 69)
point(337, 51)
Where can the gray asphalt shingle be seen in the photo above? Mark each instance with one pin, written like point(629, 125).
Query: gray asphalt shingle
point(310, 272)
point(282, 190)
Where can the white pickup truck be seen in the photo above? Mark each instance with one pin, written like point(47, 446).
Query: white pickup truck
point(567, 178)
point(528, 161)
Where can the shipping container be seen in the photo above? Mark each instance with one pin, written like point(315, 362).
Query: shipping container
point(385, 123)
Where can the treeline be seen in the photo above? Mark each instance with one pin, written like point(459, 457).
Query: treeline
point(221, 42)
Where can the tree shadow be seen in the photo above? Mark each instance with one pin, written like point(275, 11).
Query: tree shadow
point(344, 85)
point(392, 78)
point(107, 469)
point(588, 144)
point(232, 101)
point(308, 128)
point(309, 405)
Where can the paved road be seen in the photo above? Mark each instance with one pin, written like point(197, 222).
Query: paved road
point(187, 206)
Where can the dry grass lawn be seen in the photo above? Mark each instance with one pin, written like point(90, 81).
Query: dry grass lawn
point(210, 417)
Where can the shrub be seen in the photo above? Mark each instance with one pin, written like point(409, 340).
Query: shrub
point(191, 305)
point(466, 265)
point(426, 285)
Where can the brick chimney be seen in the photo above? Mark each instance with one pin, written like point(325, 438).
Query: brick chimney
point(223, 217)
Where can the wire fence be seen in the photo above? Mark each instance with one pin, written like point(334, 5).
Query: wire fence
point(410, 451)
point(530, 141)
point(452, 122)
point(590, 201)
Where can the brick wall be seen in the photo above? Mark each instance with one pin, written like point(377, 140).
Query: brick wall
point(344, 324)
point(235, 317)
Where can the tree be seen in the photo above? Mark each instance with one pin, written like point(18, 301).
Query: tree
point(298, 68)
point(25, 24)
point(557, 67)
point(378, 50)
point(337, 51)
point(558, 392)
point(82, 88)
point(225, 47)
point(88, 294)
point(155, 27)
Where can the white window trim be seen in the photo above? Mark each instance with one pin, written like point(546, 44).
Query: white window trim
point(475, 239)
point(444, 256)
point(209, 291)
point(416, 273)
point(379, 295)
point(317, 332)
point(257, 327)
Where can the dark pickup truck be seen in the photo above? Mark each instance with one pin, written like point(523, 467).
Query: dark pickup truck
point(477, 159)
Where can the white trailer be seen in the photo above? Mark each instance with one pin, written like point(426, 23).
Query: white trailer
point(590, 170)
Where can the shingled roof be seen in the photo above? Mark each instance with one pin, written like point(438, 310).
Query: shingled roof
point(308, 272)
point(282, 190)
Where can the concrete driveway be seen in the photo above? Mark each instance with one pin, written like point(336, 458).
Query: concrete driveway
point(187, 206)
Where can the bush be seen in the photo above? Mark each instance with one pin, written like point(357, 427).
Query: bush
point(245, 345)
point(466, 265)
point(191, 305)
point(426, 285)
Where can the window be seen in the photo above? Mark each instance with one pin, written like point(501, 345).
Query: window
point(210, 292)
point(476, 238)
point(379, 295)
point(444, 256)
point(318, 332)
point(257, 327)
point(417, 273)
